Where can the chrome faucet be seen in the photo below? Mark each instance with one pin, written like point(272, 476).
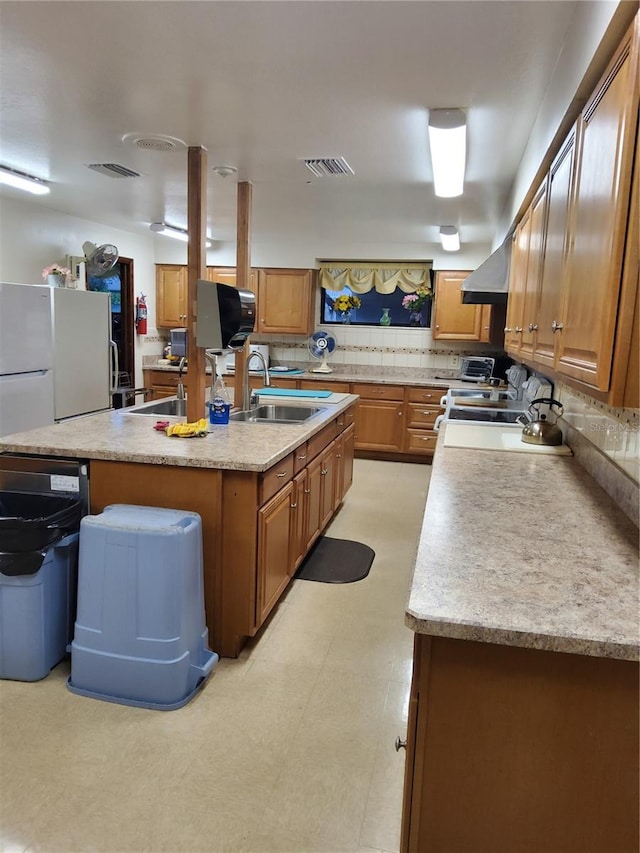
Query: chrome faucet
point(180, 387)
point(250, 400)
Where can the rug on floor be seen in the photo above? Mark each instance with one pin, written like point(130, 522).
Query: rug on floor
point(336, 561)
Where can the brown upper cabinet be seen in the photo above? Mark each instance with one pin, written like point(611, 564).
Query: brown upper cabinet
point(574, 274)
point(284, 297)
point(451, 319)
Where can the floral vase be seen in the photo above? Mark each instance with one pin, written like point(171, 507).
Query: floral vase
point(415, 318)
point(385, 320)
point(346, 317)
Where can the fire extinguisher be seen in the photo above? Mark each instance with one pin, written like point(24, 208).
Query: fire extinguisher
point(141, 315)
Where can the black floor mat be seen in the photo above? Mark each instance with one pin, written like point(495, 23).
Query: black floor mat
point(336, 561)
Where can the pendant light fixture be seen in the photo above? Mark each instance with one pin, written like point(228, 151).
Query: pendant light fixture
point(447, 141)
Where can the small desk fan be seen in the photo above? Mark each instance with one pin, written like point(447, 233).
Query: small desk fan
point(321, 345)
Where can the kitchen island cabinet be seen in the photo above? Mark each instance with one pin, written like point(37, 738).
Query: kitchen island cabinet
point(239, 479)
point(523, 716)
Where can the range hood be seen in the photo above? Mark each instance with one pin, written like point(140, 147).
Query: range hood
point(489, 283)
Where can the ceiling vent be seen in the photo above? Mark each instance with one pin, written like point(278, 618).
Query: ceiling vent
point(329, 166)
point(154, 142)
point(113, 170)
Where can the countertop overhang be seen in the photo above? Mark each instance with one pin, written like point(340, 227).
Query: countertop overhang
point(525, 550)
point(118, 436)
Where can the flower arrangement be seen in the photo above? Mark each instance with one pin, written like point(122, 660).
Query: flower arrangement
point(416, 301)
point(345, 302)
point(56, 269)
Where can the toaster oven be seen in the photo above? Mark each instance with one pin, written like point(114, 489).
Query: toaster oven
point(476, 369)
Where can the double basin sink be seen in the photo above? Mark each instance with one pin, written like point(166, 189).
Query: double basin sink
point(271, 413)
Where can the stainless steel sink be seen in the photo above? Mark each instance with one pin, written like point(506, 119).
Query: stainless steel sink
point(273, 413)
point(175, 408)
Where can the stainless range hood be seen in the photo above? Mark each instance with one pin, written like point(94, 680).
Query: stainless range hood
point(489, 283)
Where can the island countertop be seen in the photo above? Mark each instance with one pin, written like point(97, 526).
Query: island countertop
point(122, 437)
point(525, 550)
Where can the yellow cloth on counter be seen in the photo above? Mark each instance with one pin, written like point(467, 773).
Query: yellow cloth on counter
point(192, 430)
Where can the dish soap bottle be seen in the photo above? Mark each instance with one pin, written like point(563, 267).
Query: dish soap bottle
point(219, 404)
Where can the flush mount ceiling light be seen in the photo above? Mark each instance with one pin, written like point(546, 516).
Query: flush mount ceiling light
point(447, 140)
point(171, 231)
point(22, 181)
point(449, 238)
point(224, 171)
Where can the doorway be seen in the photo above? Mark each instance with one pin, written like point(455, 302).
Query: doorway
point(118, 282)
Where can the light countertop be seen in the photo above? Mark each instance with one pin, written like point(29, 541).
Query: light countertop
point(358, 373)
point(562, 574)
point(117, 436)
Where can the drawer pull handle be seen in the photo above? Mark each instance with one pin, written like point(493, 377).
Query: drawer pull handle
point(281, 474)
point(304, 456)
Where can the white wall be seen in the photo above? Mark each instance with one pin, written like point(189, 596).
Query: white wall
point(33, 237)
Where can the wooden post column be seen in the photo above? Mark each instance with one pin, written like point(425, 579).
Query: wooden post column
point(196, 268)
point(243, 272)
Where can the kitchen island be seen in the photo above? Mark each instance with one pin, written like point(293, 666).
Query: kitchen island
point(523, 719)
point(264, 492)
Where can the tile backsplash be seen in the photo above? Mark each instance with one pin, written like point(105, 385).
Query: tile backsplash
point(370, 345)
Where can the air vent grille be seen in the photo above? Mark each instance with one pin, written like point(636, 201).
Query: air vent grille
point(113, 170)
point(324, 166)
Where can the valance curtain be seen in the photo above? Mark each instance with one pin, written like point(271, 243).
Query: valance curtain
point(363, 277)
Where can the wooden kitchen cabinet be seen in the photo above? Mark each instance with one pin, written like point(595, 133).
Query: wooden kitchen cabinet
point(328, 484)
point(559, 183)
point(285, 300)
point(451, 319)
point(345, 446)
point(379, 416)
point(161, 383)
point(606, 143)
point(531, 295)
point(171, 296)
point(493, 768)
point(313, 503)
point(517, 285)
point(228, 275)
point(298, 520)
point(275, 558)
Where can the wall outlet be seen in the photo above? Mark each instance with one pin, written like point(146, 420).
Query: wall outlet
point(455, 360)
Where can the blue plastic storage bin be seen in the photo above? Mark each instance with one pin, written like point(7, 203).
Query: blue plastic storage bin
point(140, 635)
point(37, 612)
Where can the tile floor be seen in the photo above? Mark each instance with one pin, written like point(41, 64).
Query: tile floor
point(288, 748)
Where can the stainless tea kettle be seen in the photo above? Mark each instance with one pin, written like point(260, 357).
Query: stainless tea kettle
point(540, 431)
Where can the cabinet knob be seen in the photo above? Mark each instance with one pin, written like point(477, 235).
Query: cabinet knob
point(556, 327)
point(324, 472)
point(437, 327)
point(307, 491)
point(533, 327)
point(293, 506)
point(507, 329)
point(518, 330)
point(400, 744)
point(338, 456)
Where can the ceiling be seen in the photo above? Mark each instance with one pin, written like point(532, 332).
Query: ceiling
point(263, 85)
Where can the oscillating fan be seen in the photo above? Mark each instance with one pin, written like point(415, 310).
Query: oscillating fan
point(321, 345)
point(100, 259)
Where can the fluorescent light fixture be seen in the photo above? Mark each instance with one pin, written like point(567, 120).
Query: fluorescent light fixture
point(447, 140)
point(22, 181)
point(171, 231)
point(449, 238)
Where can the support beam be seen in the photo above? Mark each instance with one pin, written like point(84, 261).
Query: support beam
point(196, 268)
point(243, 273)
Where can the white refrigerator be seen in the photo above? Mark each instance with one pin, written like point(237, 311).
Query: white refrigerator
point(57, 359)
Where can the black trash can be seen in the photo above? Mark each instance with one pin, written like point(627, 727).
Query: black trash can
point(38, 581)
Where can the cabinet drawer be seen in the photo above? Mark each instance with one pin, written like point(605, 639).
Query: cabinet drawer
point(161, 377)
point(317, 443)
point(421, 441)
point(422, 416)
point(426, 395)
point(275, 478)
point(336, 387)
point(346, 418)
point(300, 458)
point(378, 392)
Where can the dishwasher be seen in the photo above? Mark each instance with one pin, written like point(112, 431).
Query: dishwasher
point(42, 501)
